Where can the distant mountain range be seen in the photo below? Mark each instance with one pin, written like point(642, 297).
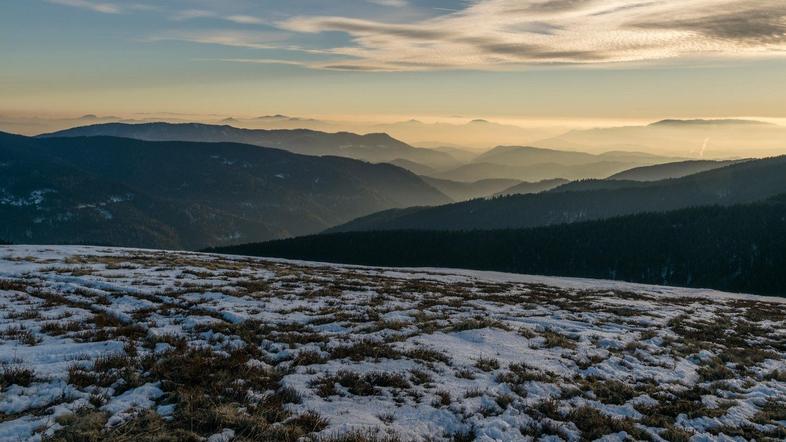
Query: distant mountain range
point(525, 188)
point(735, 184)
point(677, 169)
point(463, 191)
point(501, 163)
point(527, 163)
point(709, 122)
point(694, 139)
point(416, 168)
point(478, 133)
point(461, 154)
point(377, 147)
point(107, 190)
point(534, 164)
point(534, 172)
point(527, 156)
point(711, 139)
point(734, 248)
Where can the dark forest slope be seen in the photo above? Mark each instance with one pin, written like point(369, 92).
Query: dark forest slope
point(736, 248)
point(582, 201)
point(185, 195)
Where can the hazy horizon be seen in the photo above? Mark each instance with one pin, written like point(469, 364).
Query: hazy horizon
point(537, 63)
point(477, 135)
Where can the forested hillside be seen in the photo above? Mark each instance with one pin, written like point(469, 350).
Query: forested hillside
point(665, 171)
point(527, 188)
point(464, 191)
point(740, 183)
point(738, 248)
point(119, 191)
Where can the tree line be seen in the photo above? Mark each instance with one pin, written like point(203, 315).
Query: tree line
point(739, 248)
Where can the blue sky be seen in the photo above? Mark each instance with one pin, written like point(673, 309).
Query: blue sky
point(506, 58)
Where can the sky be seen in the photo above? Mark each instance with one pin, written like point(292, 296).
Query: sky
point(506, 59)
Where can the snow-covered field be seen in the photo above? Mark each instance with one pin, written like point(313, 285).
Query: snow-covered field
point(118, 344)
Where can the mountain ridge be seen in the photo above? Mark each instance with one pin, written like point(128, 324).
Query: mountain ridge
point(373, 147)
point(670, 170)
point(462, 191)
point(735, 184)
point(184, 194)
point(700, 122)
point(693, 139)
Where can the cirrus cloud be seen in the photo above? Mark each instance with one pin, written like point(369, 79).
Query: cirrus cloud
point(494, 34)
point(104, 8)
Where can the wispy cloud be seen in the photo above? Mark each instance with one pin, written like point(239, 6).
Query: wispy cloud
point(493, 34)
point(245, 19)
point(391, 3)
point(233, 38)
point(192, 14)
point(105, 8)
point(258, 40)
point(259, 61)
point(486, 34)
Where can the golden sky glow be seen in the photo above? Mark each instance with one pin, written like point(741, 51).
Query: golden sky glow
point(546, 61)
